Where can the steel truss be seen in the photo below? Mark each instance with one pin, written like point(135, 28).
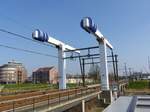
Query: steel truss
point(92, 56)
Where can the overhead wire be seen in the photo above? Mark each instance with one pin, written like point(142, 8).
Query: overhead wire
point(16, 21)
point(23, 37)
point(23, 26)
point(26, 38)
point(29, 51)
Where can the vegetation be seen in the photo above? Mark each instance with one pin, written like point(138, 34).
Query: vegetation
point(141, 84)
point(94, 73)
point(9, 88)
point(25, 86)
point(13, 88)
point(72, 85)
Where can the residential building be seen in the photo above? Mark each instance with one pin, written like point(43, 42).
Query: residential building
point(45, 75)
point(12, 72)
point(77, 79)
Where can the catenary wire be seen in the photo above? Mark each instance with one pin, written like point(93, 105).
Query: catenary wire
point(23, 37)
point(16, 21)
point(29, 51)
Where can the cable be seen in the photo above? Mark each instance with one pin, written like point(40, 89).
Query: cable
point(24, 26)
point(16, 21)
point(29, 51)
point(23, 37)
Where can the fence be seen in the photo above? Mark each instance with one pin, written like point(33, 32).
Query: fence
point(49, 99)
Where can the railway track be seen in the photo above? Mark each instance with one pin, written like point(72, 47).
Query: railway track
point(23, 95)
point(35, 93)
point(11, 103)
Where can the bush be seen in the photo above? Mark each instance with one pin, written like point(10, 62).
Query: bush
point(142, 84)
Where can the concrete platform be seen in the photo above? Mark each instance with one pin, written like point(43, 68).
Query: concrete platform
point(130, 104)
point(120, 105)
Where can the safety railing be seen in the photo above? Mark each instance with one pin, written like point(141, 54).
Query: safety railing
point(49, 99)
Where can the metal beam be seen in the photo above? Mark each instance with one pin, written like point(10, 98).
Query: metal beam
point(114, 67)
point(81, 56)
point(44, 37)
point(79, 49)
point(83, 75)
point(97, 62)
point(88, 56)
point(116, 61)
point(92, 63)
point(88, 25)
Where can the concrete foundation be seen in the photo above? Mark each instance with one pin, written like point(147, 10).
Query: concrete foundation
point(106, 96)
point(83, 105)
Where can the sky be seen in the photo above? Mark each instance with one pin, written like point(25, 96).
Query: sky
point(125, 23)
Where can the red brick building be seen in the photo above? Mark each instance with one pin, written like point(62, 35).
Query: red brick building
point(45, 75)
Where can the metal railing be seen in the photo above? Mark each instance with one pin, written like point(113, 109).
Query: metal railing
point(49, 99)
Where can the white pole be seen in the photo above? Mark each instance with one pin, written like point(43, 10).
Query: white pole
point(62, 67)
point(44, 37)
point(103, 65)
point(83, 105)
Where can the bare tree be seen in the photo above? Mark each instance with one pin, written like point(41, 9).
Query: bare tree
point(94, 73)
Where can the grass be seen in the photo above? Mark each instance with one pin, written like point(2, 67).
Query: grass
point(9, 88)
point(72, 85)
point(17, 88)
point(141, 84)
point(26, 87)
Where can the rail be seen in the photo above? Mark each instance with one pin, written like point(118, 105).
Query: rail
point(53, 98)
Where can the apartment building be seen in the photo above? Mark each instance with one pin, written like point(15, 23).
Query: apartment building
point(12, 72)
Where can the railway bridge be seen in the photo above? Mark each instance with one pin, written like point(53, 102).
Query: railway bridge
point(52, 100)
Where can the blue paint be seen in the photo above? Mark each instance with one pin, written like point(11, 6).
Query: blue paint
point(41, 36)
point(92, 26)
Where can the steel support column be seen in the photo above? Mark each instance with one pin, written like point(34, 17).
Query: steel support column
point(62, 67)
point(103, 66)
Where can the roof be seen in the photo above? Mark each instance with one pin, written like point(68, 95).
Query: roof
point(143, 104)
point(43, 69)
point(12, 64)
point(130, 104)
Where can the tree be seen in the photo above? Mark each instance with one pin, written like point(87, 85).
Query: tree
point(94, 73)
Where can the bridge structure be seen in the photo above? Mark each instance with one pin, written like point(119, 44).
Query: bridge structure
point(53, 100)
point(44, 37)
point(88, 25)
point(66, 98)
point(47, 100)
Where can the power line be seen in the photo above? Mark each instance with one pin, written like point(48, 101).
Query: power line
point(15, 34)
point(29, 51)
point(16, 21)
point(23, 37)
point(24, 26)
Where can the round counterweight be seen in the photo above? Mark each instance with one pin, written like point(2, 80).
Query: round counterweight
point(88, 25)
point(40, 36)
